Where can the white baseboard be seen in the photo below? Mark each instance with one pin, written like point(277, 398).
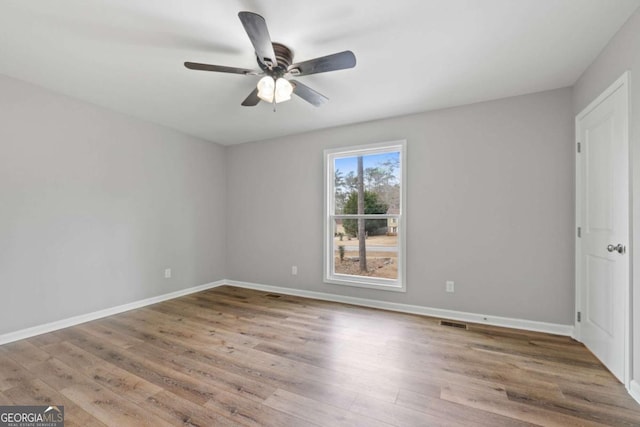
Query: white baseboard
point(634, 390)
point(506, 322)
point(76, 320)
point(529, 325)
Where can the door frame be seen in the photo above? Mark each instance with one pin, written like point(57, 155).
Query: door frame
point(621, 82)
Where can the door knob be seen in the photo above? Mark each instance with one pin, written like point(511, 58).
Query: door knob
point(618, 248)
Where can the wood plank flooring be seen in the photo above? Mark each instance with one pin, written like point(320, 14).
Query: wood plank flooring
point(236, 357)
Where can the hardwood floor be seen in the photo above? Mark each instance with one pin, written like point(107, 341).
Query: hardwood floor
point(231, 356)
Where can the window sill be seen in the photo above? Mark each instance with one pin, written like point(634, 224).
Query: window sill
point(366, 282)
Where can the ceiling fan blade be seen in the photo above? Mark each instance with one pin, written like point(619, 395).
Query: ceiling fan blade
point(251, 100)
point(308, 94)
point(256, 28)
point(337, 61)
point(220, 68)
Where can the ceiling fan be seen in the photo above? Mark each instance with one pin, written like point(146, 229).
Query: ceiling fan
point(275, 62)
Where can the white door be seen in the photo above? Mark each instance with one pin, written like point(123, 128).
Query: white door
point(602, 248)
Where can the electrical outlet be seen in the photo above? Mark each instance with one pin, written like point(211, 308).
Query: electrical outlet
point(167, 273)
point(449, 286)
point(294, 270)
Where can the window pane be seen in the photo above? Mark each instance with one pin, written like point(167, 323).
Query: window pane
point(381, 248)
point(381, 177)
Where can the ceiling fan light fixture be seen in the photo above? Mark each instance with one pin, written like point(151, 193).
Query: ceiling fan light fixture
point(268, 88)
point(283, 91)
point(276, 60)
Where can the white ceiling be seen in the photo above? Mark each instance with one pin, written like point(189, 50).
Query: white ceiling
point(412, 55)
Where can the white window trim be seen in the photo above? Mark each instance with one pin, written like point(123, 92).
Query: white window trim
point(398, 285)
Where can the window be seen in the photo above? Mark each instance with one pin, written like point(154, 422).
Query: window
point(364, 216)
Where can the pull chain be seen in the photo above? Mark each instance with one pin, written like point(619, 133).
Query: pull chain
point(274, 100)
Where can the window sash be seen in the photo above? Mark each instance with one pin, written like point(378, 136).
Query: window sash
point(330, 276)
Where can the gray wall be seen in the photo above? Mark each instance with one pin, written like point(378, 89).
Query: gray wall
point(94, 205)
point(490, 206)
point(621, 54)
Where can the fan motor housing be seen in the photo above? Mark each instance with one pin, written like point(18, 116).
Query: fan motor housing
point(284, 57)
